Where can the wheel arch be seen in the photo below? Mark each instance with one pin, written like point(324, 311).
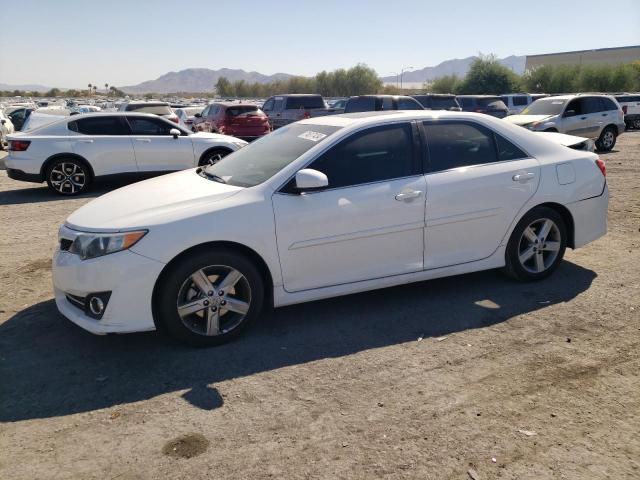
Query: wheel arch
point(57, 156)
point(564, 213)
point(262, 266)
point(614, 127)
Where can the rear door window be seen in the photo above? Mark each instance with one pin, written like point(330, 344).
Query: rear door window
point(443, 103)
point(376, 154)
point(268, 105)
point(149, 126)
point(459, 144)
point(466, 102)
point(592, 105)
point(607, 104)
point(387, 103)
point(102, 125)
point(278, 104)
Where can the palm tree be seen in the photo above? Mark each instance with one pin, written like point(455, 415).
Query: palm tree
point(90, 89)
point(106, 87)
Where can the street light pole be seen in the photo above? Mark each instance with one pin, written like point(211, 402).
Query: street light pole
point(401, 74)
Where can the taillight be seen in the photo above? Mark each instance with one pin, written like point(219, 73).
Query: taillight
point(306, 114)
point(624, 109)
point(601, 166)
point(19, 145)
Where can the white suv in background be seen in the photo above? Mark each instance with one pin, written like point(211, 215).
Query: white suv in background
point(590, 115)
point(71, 153)
point(6, 128)
point(516, 102)
point(630, 103)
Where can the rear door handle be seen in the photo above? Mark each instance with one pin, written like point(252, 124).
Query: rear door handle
point(523, 177)
point(85, 141)
point(604, 114)
point(146, 140)
point(408, 195)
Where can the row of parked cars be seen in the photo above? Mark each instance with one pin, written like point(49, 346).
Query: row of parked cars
point(148, 137)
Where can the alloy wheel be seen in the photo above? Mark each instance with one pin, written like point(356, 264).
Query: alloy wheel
point(608, 138)
point(213, 159)
point(539, 245)
point(214, 300)
point(67, 178)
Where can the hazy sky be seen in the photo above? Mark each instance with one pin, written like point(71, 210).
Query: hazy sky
point(69, 43)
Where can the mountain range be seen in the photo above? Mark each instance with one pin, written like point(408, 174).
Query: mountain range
point(203, 79)
point(457, 66)
point(199, 80)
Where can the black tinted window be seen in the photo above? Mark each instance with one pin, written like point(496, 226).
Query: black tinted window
point(592, 105)
point(99, 126)
point(268, 105)
point(520, 100)
point(443, 103)
point(360, 104)
point(507, 150)
point(455, 144)
point(608, 104)
point(149, 126)
point(408, 104)
point(387, 103)
point(577, 106)
point(380, 153)
point(304, 102)
point(465, 102)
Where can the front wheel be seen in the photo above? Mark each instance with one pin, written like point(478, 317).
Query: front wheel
point(209, 298)
point(536, 246)
point(68, 176)
point(607, 140)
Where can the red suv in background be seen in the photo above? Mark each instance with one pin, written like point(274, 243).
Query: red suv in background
point(242, 120)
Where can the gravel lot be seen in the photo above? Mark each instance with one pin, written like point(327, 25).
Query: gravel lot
point(468, 377)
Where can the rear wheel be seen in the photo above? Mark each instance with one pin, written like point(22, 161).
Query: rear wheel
point(537, 245)
point(209, 298)
point(607, 139)
point(213, 156)
point(636, 123)
point(68, 176)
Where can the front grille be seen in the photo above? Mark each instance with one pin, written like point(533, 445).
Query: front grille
point(65, 244)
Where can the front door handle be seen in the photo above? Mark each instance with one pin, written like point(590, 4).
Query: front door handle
point(408, 195)
point(146, 140)
point(523, 177)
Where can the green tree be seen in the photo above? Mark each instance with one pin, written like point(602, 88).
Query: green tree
point(444, 84)
point(223, 87)
point(488, 76)
point(54, 92)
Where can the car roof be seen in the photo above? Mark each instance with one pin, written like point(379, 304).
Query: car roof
point(235, 104)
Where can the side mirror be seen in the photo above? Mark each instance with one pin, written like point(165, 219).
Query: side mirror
point(198, 115)
point(569, 113)
point(175, 132)
point(3, 121)
point(308, 180)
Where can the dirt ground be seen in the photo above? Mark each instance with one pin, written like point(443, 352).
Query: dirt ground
point(468, 377)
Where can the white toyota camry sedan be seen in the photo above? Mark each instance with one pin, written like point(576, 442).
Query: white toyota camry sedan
point(325, 207)
point(71, 153)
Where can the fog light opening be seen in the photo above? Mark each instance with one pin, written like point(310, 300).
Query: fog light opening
point(96, 305)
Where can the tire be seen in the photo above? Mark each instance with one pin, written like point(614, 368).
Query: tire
point(200, 318)
point(607, 139)
point(213, 156)
point(525, 261)
point(636, 123)
point(68, 176)
point(551, 130)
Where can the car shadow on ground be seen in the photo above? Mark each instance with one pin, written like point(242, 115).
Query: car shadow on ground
point(41, 193)
point(49, 367)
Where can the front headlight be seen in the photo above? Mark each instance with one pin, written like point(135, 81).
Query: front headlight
point(91, 245)
point(240, 144)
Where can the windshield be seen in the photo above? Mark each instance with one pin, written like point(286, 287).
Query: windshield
point(493, 102)
point(545, 106)
point(260, 160)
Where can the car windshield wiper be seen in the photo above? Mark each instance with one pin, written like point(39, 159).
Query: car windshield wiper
point(213, 176)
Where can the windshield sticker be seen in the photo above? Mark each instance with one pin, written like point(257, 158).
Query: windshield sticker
point(313, 136)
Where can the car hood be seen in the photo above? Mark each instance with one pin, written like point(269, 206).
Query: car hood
point(526, 119)
point(155, 201)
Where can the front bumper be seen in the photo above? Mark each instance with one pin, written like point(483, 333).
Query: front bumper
point(129, 277)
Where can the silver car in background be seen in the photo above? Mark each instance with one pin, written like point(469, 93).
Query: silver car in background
point(590, 115)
